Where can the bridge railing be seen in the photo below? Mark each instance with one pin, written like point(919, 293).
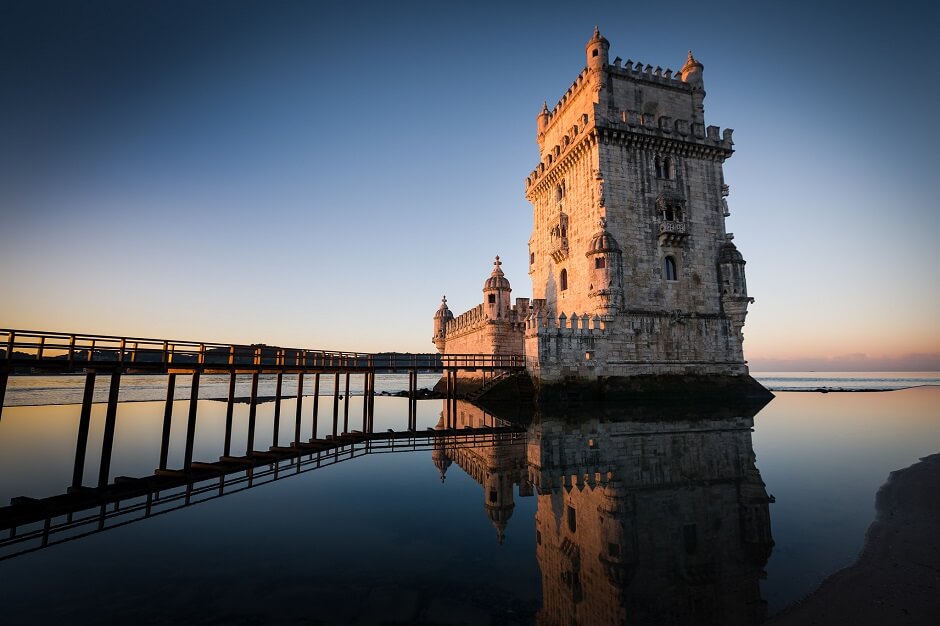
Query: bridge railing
point(69, 351)
point(24, 347)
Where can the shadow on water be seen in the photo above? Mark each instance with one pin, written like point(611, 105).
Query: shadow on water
point(641, 516)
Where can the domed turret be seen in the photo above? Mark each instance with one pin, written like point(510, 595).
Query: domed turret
point(441, 317)
point(605, 268)
point(596, 50)
point(500, 510)
point(496, 292)
point(692, 71)
point(542, 119)
point(731, 264)
point(734, 298)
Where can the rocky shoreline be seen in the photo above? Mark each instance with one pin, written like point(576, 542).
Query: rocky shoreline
point(896, 579)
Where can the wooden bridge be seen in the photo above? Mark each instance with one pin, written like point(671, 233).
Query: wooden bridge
point(30, 351)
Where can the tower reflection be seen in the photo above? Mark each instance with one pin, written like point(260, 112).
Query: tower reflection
point(642, 518)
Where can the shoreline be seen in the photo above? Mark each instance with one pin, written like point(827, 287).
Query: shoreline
point(896, 578)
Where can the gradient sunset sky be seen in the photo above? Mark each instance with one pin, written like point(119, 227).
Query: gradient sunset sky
point(319, 174)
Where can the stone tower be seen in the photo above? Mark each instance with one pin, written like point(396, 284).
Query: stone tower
point(636, 285)
point(632, 270)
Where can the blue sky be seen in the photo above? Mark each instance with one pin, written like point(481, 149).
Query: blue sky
point(319, 174)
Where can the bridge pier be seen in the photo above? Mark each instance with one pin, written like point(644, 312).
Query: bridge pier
point(300, 403)
point(167, 420)
point(335, 403)
point(316, 402)
point(84, 423)
point(109, 424)
point(191, 422)
point(277, 407)
point(4, 377)
point(346, 405)
point(252, 414)
point(229, 410)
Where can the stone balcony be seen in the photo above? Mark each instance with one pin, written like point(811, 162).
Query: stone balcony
point(559, 249)
point(672, 233)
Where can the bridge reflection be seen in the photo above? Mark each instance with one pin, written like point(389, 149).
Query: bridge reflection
point(656, 518)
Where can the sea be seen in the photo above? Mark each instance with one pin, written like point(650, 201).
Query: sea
point(696, 516)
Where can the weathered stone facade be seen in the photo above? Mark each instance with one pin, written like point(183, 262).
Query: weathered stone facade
point(632, 270)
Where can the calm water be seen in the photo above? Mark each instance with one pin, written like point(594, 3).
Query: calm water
point(664, 519)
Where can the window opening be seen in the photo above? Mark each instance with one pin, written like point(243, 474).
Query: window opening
point(563, 280)
point(491, 298)
point(669, 264)
point(600, 263)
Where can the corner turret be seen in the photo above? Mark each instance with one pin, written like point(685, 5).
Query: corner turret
point(441, 317)
point(734, 298)
point(692, 72)
point(596, 50)
point(605, 270)
point(496, 292)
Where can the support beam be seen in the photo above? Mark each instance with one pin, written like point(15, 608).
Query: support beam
point(229, 412)
point(84, 423)
point(110, 421)
point(346, 405)
point(365, 402)
point(252, 413)
point(300, 404)
point(4, 378)
point(316, 402)
point(277, 407)
point(167, 420)
point(191, 422)
point(335, 403)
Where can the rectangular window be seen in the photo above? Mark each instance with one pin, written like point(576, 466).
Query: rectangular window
point(600, 262)
point(491, 298)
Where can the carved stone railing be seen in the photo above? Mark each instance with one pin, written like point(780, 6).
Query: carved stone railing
point(560, 249)
point(672, 232)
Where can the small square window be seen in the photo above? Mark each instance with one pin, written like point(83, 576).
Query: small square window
point(491, 298)
point(600, 262)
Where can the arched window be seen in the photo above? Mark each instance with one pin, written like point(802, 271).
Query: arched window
point(669, 267)
point(563, 280)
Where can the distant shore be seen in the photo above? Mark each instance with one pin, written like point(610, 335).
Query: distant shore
point(896, 579)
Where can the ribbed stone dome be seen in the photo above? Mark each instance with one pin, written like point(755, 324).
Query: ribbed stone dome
point(497, 279)
point(729, 254)
point(443, 312)
point(603, 241)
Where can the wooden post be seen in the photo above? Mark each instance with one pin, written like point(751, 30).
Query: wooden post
point(167, 420)
point(229, 410)
point(454, 399)
point(84, 422)
point(191, 422)
point(346, 405)
point(365, 402)
point(300, 404)
point(277, 407)
point(316, 402)
point(252, 413)
point(335, 403)
point(4, 377)
point(109, 424)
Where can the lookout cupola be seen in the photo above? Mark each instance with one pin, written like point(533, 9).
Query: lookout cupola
point(692, 71)
point(441, 317)
point(604, 269)
point(496, 292)
point(596, 50)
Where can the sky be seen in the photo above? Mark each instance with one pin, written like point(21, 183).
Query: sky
point(316, 174)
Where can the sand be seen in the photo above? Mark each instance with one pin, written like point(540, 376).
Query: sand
point(896, 580)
